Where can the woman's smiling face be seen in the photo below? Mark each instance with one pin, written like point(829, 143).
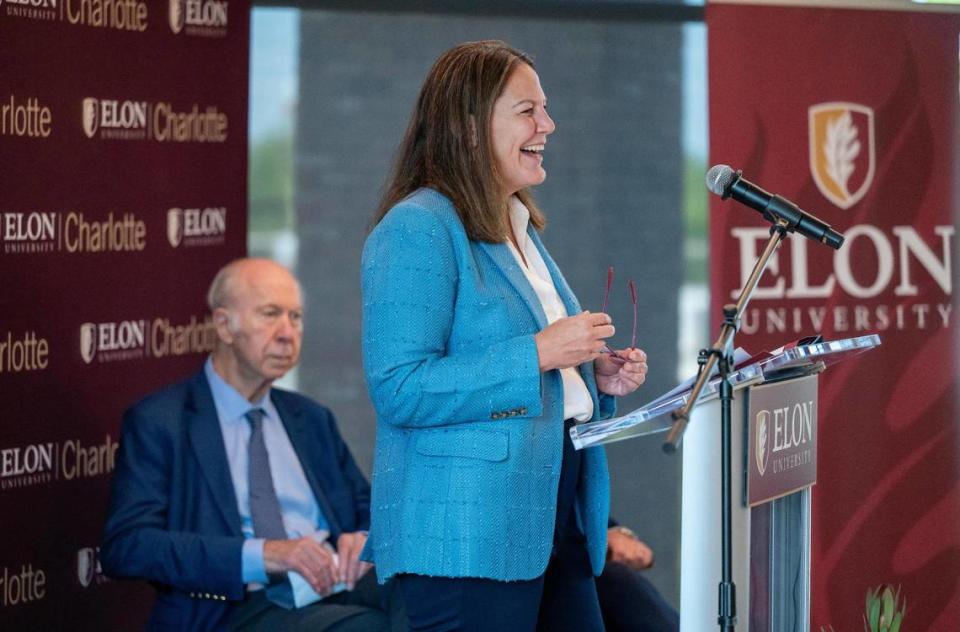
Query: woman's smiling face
point(519, 129)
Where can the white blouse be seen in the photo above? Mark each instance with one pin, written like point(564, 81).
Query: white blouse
point(577, 403)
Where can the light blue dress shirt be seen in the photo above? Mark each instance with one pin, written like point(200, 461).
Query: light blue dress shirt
point(301, 512)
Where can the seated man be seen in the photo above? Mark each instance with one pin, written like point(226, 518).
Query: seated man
point(236, 500)
point(629, 602)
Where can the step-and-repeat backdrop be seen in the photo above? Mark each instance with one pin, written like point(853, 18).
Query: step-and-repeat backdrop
point(852, 114)
point(122, 190)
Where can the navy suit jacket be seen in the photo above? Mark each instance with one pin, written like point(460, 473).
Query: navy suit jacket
point(173, 517)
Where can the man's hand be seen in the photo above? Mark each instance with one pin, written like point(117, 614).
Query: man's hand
point(352, 568)
point(627, 549)
point(616, 377)
point(312, 559)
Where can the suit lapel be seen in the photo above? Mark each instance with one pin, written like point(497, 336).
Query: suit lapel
point(203, 429)
point(500, 254)
point(308, 450)
point(504, 260)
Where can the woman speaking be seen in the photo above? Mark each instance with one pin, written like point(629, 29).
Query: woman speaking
point(479, 359)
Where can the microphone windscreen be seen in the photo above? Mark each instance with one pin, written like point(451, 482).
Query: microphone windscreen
point(719, 179)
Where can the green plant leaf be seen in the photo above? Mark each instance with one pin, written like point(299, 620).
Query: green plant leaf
point(895, 624)
point(873, 616)
point(888, 604)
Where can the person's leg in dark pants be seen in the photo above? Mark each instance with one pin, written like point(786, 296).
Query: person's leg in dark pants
point(465, 604)
point(366, 621)
point(630, 603)
point(569, 602)
point(369, 607)
point(384, 598)
point(257, 614)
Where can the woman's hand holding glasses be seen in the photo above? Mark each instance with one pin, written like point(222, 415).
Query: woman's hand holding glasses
point(620, 372)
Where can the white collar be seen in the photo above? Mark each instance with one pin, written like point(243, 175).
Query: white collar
point(519, 221)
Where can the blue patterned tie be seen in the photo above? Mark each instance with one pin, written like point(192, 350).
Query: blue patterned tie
point(264, 505)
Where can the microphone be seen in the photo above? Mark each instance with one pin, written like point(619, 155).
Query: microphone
point(725, 182)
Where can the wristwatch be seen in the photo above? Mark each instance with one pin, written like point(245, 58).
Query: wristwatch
point(627, 531)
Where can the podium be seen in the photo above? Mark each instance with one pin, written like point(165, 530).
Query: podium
point(774, 457)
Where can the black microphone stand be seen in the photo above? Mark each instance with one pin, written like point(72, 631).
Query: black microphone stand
point(721, 355)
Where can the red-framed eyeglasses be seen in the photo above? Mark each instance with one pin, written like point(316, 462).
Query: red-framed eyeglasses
point(633, 298)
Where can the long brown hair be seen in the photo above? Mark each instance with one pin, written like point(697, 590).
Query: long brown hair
point(447, 144)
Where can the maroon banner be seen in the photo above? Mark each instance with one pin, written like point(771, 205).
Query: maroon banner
point(122, 190)
point(852, 115)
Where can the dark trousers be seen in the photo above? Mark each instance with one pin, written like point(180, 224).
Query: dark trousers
point(563, 599)
point(367, 608)
point(630, 603)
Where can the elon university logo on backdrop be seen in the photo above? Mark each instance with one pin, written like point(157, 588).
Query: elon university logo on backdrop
point(176, 15)
point(86, 566)
point(842, 154)
point(175, 226)
point(91, 116)
point(88, 342)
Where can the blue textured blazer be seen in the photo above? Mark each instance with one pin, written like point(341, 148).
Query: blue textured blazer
point(469, 431)
point(173, 517)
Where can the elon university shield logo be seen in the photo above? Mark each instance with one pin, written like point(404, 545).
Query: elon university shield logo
point(762, 441)
point(86, 566)
point(175, 226)
point(88, 341)
point(842, 154)
point(91, 116)
point(176, 15)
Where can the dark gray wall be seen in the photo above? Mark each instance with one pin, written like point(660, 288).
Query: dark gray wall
point(612, 197)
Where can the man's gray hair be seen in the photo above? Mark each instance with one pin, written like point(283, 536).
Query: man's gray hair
point(223, 287)
point(220, 292)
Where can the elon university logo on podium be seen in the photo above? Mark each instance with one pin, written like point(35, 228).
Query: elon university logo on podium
point(842, 154)
point(762, 444)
